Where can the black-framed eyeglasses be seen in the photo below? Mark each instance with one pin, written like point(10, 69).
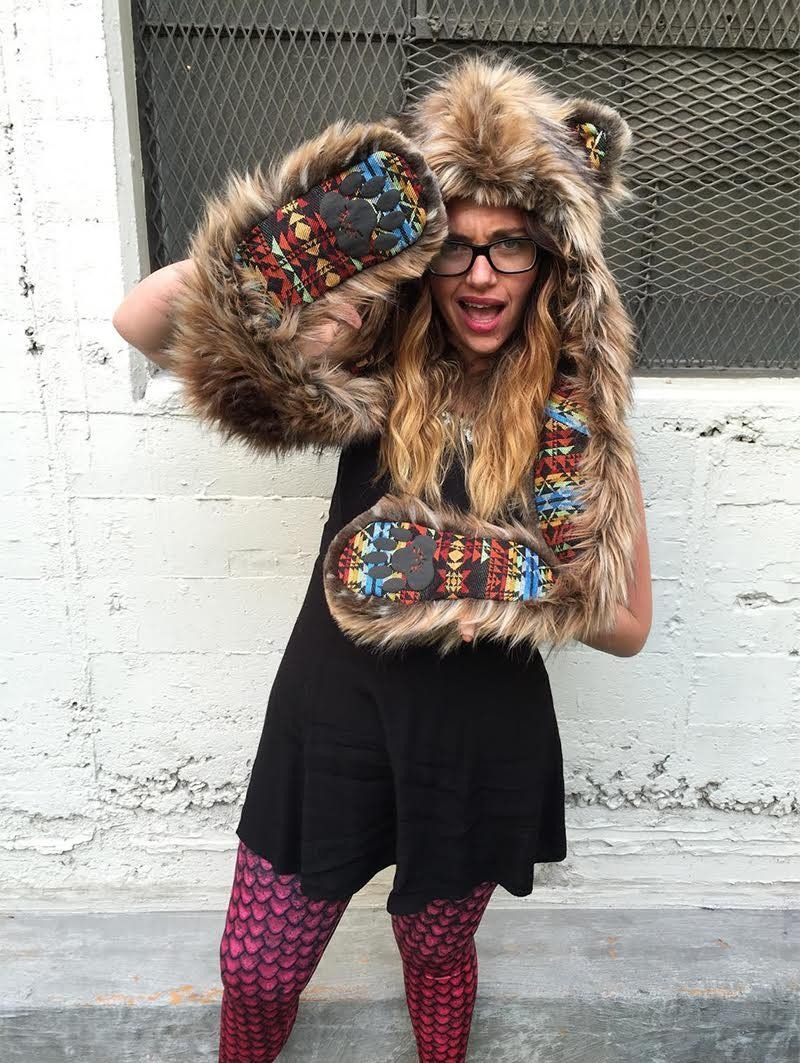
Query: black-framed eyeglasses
point(516, 254)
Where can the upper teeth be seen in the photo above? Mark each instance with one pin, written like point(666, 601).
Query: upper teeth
point(481, 306)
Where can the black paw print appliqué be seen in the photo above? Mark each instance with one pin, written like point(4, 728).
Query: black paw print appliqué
point(403, 559)
point(354, 218)
point(352, 221)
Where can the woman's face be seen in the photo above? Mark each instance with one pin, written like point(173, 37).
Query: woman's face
point(482, 308)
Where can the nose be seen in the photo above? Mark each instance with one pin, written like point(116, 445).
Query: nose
point(481, 275)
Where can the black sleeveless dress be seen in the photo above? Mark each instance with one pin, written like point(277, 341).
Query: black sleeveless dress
point(449, 768)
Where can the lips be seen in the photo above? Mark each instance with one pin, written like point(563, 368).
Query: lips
point(480, 301)
point(481, 314)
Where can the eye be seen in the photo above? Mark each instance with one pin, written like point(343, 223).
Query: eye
point(512, 244)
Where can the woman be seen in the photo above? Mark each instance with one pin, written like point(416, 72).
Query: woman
point(428, 293)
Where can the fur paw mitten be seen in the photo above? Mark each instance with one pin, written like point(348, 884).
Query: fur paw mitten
point(344, 219)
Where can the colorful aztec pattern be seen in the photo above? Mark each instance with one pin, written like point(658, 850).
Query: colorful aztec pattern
point(595, 141)
point(363, 216)
point(557, 475)
point(408, 563)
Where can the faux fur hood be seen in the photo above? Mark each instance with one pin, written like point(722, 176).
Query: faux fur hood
point(492, 133)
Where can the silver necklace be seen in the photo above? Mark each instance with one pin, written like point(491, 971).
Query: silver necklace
point(464, 424)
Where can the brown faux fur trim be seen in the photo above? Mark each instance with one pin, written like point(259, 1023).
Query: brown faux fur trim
point(388, 625)
point(608, 178)
point(587, 591)
point(246, 375)
point(492, 133)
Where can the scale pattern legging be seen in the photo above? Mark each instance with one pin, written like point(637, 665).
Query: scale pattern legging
point(274, 938)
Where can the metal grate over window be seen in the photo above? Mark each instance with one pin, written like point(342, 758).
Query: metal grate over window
point(707, 257)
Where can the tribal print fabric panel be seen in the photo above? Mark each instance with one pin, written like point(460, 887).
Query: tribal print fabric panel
point(557, 475)
point(594, 141)
point(359, 218)
point(410, 563)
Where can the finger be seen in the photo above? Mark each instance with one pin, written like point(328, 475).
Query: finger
point(345, 314)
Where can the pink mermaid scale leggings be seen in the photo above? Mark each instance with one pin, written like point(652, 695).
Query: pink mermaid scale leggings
point(275, 937)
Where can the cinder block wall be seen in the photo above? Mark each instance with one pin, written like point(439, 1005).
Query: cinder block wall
point(151, 577)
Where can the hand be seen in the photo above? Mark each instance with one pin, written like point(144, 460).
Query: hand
point(467, 630)
point(331, 335)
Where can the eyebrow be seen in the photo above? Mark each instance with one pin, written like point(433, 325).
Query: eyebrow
point(498, 234)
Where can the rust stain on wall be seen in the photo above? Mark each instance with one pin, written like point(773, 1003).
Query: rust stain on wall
point(183, 994)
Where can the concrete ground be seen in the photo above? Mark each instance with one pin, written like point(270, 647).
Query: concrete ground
point(555, 986)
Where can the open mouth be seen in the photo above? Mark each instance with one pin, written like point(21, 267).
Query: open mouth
point(481, 315)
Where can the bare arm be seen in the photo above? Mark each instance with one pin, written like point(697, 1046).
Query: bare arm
point(629, 634)
point(144, 317)
point(632, 626)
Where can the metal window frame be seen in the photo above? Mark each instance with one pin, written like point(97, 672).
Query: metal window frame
point(435, 28)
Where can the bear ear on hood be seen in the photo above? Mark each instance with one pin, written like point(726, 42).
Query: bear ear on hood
point(604, 138)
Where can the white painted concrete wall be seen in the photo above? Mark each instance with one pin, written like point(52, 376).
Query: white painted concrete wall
point(151, 577)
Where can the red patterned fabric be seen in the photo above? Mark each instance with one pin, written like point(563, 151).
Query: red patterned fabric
point(274, 939)
point(440, 969)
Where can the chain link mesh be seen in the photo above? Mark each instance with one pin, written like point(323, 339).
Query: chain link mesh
point(707, 257)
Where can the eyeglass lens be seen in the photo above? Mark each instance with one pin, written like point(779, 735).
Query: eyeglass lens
point(506, 256)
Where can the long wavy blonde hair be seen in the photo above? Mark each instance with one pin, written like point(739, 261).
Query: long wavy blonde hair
point(418, 446)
